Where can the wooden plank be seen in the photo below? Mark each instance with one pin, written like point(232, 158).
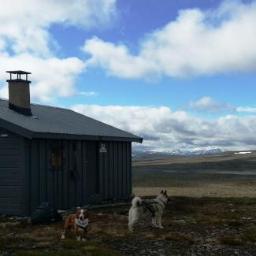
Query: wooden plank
point(62, 174)
point(106, 176)
point(128, 171)
point(10, 191)
point(65, 175)
point(84, 167)
point(81, 172)
point(120, 172)
point(49, 174)
point(27, 178)
point(42, 171)
point(115, 171)
point(33, 176)
point(12, 171)
point(110, 170)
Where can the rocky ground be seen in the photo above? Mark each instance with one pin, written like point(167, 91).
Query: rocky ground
point(193, 226)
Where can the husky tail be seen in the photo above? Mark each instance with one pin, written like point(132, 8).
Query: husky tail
point(134, 212)
point(136, 202)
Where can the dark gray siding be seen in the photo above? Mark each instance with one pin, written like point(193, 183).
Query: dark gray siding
point(12, 193)
point(86, 175)
point(115, 171)
point(63, 188)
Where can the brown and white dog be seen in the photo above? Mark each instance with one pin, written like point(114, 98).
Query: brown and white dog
point(77, 223)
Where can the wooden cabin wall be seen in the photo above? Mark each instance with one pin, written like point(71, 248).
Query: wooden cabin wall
point(62, 188)
point(115, 171)
point(98, 176)
point(12, 174)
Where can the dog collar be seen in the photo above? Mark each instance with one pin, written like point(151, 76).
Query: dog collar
point(82, 223)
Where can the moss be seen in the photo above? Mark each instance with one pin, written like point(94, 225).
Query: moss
point(234, 223)
point(72, 244)
point(49, 253)
point(211, 220)
point(90, 250)
point(178, 237)
point(231, 240)
point(2, 243)
point(250, 235)
point(99, 251)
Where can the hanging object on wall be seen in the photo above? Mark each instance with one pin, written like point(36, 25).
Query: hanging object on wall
point(103, 148)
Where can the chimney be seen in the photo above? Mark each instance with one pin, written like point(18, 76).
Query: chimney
point(19, 93)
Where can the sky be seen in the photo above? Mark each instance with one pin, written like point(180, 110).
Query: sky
point(180, 73)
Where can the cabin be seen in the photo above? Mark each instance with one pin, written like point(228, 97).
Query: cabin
point(55, 155)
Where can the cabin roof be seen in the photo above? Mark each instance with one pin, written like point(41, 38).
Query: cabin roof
point(59, 123)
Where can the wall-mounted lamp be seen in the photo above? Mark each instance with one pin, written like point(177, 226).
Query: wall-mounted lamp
point(103, 148)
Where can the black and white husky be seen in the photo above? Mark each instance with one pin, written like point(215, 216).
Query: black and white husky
point(153, 206)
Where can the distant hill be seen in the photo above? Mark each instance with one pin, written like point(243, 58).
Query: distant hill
point(159, 159)
point(160, 155)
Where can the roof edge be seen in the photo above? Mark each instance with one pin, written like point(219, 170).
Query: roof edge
point(32, 135)
point(84, 137)
point(16, 129)
point(132, 137)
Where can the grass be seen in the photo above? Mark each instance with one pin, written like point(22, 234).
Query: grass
point(198, 176)
point(2, 244)
point(249, 235)
point(71, 248)
point(72, 244)
point(208, 206)
point(86, 251)
point(187, 221)
point(179, 237)
point(231, 240)
point(234, 223)
point(50, 253)
point(99, 251)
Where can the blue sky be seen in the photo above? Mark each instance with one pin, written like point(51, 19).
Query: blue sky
point(180, 73)
point(132, 24)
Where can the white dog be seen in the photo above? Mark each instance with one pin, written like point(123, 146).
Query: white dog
point(154, 206)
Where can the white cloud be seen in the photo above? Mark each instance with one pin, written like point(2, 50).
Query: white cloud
point(51, 77)
point(26, 43)
point(24, 24)
point(116, 59)
point(246, 109)
point(164, 129)
point(88, 94)
point(196, 43)
point(209, 104)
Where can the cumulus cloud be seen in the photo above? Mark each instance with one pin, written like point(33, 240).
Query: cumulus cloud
point(52, 77)
point(116, 59)
point(24, 24)
point(196, 43)
point(208, 104)
point(167, 130)
point(246, 109)
point(26, 43)
point(88, 94)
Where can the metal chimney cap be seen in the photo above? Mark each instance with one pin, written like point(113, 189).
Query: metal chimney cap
point(20, 72)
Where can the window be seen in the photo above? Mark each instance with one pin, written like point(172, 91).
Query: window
point(55, 156)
